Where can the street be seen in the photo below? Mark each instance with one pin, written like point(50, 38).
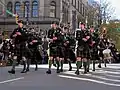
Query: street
point(102, 79)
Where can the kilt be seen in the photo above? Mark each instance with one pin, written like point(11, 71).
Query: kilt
point(61, 51)
point(83, 52)
point(67, 53)
point(94, 54)
point(54, 51)
point(20, 50)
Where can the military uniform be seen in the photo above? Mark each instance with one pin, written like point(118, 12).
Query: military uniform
point(19, 37)
point(83, 46)
point(54, 46)
point(54, 35)
point(83, 38)
point(68, 50)
point(33, 43)
point(93, 48)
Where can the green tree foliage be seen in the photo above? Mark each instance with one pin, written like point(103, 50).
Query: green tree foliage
point(113, 32)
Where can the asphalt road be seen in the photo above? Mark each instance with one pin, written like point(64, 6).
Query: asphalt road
point(102, 79)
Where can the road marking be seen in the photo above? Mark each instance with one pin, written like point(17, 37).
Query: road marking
point(107, 72)
point(113, 76)
point(85, 79)
point(93, 76)
point(11, 80)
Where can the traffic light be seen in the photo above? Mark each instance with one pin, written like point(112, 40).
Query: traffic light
point(16, 18)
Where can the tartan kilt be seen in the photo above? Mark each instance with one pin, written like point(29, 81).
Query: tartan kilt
point(94, 54)
point(83, 52)
point(61, 52)
point(54, 51)
point(20, 50)
point(67, 53)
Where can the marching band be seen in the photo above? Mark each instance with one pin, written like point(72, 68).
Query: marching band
point(24, 46)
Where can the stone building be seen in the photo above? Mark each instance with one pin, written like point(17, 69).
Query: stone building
point(40, 13)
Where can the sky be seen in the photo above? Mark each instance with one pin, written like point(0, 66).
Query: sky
point(116, 5)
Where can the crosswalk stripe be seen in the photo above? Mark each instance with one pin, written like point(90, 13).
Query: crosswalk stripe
point(91, 80)
point(103, 75)
point(107, 72)
point(93, 76)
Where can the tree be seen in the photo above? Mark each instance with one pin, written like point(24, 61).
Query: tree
point(106, 10)
point(93, 13)
point(113, 32)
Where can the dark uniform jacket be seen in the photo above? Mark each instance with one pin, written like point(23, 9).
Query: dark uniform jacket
point(79, 37)
point(55, 33)
point(19, 38)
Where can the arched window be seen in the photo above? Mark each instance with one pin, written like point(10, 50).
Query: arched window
point(35, 9)
point(53, 9)
point(9, 7)
point(1, 10)
point(26, 9)
point(18, 8)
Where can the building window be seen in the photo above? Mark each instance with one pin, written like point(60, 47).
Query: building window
point(83, 10)
point(26, 9)
point(74, 2)
point(18, 8)
point(35, 9)
point(78, 6)
point(81, 7)
point(53, 9)
point(9, 7)
point(1, 9)
point(67, 15)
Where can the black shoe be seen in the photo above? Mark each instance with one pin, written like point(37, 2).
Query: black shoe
point(61, 70)
point(70, 69)
point(80, 67)
point(54, 65)
point(36, 69)
point(58, 71)
point(48, 72)
point(12, 71)
point(99, 66)
point(77, 72)
point(24, 71)
point(85, 72)
point(93, 70)
point(27, 70)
